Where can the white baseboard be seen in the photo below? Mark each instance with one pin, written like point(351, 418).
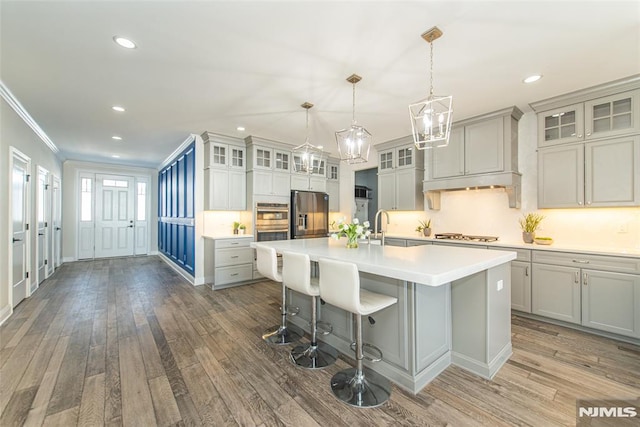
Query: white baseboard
point(203, 280)
point(33, 287)
point(5, 313)
point(189, 278)
point(68, 259)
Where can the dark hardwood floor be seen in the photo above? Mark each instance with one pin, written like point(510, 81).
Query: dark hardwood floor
point(128, 342)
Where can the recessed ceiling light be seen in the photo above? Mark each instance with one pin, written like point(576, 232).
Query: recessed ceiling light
point(118, 108)
point(124, 42)
point(117, 138)
point(320, 147)
point(532, 78)
point(240, 128)
point(115, 156)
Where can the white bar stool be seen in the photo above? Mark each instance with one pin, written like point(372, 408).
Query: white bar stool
point(296, 275)
point(267, 262)
point(340, 286)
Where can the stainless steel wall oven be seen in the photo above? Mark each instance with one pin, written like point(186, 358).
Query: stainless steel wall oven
point(272, 221)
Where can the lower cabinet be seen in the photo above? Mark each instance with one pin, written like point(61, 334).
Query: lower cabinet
point(233, 261)
point(556, 292)
point(521, 286)
point(611, 302)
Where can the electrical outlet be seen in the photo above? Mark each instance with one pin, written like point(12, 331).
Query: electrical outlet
point(623, 227)
point(500, 285)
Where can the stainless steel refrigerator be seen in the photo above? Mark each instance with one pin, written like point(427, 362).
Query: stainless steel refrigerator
point(309, 214)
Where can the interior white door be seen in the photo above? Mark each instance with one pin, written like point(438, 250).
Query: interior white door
point(44, 211)
point(114, 216)
point(19, 227)
point(141, 229)
point(56, 222)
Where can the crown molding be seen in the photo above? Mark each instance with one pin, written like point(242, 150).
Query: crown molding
point(26, 117)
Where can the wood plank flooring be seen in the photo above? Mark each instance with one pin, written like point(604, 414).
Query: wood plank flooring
point(128, 342)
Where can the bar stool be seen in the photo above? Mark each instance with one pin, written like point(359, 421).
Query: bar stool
point(267, 262)
point(340, 286)
point(296, 275)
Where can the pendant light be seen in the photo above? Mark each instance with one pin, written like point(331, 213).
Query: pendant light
point(354, 143)
point(431, 117)
point(307, 158)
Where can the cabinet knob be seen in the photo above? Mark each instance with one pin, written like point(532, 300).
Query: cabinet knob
point(588, 133)
point(580, 203)
point(589, 202)
point(577, 279)
point(580, 136)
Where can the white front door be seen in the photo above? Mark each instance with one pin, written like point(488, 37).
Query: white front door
point(142, 223)
point(114, 216)
point(56, 222)
point(44, 211)
point(20, 209)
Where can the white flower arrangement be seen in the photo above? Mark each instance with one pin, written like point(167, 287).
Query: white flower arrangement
point(352, 232)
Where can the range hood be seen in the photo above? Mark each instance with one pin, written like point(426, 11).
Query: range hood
point(510, 181)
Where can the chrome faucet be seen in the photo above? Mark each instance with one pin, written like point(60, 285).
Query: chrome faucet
point(375, 224)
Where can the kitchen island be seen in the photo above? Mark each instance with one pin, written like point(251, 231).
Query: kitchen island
point(453, 307)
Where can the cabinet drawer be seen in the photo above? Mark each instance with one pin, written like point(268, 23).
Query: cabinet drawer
point(234, 274)
point(523, 254)
point(417, 242)
point(598, 262)
point(233, 256)
point(233, 243)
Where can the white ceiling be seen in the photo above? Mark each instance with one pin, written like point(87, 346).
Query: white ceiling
point(216, 65)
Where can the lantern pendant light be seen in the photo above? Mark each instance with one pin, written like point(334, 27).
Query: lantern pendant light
point(307, 158)
point(354, 143)
point(431, 117)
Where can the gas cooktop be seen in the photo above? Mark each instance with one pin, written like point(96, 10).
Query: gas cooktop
point(460, 236)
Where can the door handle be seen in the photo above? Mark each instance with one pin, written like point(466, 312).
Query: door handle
point(40, 234)
point(16, 240)
point(58, 228)
point(129, 226)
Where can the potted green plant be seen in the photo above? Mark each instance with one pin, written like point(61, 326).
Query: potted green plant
point(424, 227)
point(242, 229)
point(529, 224)
point(236, 227)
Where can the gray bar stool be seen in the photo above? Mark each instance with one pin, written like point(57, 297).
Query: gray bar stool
point(267, 262)
point(296, 275)
point(340, 286)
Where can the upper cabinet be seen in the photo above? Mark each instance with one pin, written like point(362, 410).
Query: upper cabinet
point(589, 147)
point(269, 165)
point(224, 172)
point(400, 173)
point(333, 184)
point(603, 117)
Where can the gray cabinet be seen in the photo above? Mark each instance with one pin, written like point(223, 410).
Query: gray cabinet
point(521, 286)
point(449, 161)
point(602, 117)
point(233, 261)
point(392, 241)
point(225, 179)
point(305, 182)
point(333, 185)
point(269, 183)
point(400, 175)
point(611, 302)
point(555, 292)
point(592, 174)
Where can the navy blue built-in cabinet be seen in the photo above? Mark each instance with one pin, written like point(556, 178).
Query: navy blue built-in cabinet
point(176, 209)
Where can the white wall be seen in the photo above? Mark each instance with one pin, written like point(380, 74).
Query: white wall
point(487, 212)
point(70, 186)
point(15, 132)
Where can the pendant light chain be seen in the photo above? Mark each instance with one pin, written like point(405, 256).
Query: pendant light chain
point(307, 135)
point(353, 117)
point(431, 70)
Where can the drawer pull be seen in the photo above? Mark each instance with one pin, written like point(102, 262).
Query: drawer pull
point(580, 261)
point(577, 280)
point(526, 271)
point(235, 243)
point(234, 274)
point(584, 279)
point(234, 257)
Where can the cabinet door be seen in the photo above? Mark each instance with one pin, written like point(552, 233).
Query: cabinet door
point(612, 115)
point(561, 177)
point(561, 126)
point(237, 190)
point(299, 182)
point(339, 319)
point(611, 302)
point(301, 301)
point(521, 286)
point(387, 191)
point(333, 190)
point(237, 158)
point(555, 292)
point(218, 189)
point(404, 156)
point(390, 241)
point(386, 161)
point(449, 161)
point(282, 161)
point(218, 155)
point(612, 172)
point(318, 184)
point(407, 192)
point(262, 182)
point(333, 172)
point(484, 147)
point(263, 158)
point(281, 184)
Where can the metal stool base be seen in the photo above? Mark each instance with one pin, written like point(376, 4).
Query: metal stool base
point(370, 391)
point(279, 335)
point(313, 357)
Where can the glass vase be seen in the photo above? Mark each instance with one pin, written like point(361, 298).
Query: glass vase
point(352, 242)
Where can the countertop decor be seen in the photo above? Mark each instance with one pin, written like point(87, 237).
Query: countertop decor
point(352, 232)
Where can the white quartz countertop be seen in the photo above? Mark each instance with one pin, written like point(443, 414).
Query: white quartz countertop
point(230, 236)
point(427, 265)
point(585, 249)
